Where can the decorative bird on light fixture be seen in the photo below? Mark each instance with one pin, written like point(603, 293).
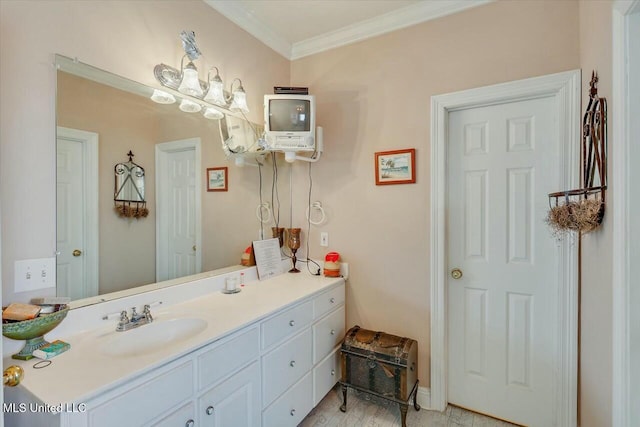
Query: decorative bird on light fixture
point(189, 44)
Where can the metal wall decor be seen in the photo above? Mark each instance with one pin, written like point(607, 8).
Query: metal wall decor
point(583, 209)
point(128, 197)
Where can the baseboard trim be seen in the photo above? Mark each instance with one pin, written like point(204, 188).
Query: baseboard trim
point(424, 398)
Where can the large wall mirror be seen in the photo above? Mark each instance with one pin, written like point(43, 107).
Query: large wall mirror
point(102, 119)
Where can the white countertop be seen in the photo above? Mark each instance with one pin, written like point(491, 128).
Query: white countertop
point(85, 371)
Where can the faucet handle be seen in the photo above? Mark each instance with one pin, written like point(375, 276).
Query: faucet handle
point(147, 312)
point(123, 317)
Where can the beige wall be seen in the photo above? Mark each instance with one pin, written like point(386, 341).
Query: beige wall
point(597, 290)
point(372, 96)
point(375, 96)
point(127, 38)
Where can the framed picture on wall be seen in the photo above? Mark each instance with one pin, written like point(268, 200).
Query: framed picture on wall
point(217, 179)
point(396, 167)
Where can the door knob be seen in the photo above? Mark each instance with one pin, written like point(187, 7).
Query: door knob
point(12, 376)
point(194, 248)
point(77, 252)
point(456, 273)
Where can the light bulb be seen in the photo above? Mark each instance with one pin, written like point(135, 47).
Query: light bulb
point(162, 97)
point(190, 84)
point(239, 102)
point(190, 106)
point(215, 94)
point(213, 114)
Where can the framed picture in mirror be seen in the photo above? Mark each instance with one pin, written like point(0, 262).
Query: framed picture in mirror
point(217, 179)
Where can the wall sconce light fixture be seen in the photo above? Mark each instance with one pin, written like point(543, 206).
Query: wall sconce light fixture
point(185, 83)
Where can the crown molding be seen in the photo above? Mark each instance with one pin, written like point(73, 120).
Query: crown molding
point(420, 12)
point(253, 26)
point(398, 19)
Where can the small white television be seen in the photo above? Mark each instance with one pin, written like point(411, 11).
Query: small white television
point(290, 122)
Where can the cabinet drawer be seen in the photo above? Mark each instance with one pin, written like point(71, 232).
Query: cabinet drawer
point(224, 359)
point(135, 407)
point(327, 334)
point(291, 407)
point(324, 303)
point(325, 376)
point(285, 365)
point(286, 323)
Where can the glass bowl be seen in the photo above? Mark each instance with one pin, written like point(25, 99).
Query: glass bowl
point(32, 331)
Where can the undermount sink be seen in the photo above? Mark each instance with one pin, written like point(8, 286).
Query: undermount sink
point(152, 337)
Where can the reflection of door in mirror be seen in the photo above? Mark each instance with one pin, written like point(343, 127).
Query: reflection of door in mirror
point(77, 212)
point(178, 199)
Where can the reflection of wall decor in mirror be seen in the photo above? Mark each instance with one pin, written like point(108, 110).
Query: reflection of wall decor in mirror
point(129, 189)
point(110, 111)
point(582, 209)
point(396, 167)
point(196, 95)
point(217, 179)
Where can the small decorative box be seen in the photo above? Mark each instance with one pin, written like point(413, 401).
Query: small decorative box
point(51, 350)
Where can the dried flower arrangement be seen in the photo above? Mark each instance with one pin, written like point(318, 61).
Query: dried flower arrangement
point(583, 215)
point(127, 211)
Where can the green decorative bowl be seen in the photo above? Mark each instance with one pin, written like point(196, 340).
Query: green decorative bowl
point(33, 331)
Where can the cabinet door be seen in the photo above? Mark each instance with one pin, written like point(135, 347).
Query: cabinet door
point(144, 402)
point(233, 403)
point(184, 416)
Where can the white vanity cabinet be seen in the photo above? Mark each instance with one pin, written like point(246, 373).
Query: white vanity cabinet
point(267, 371)
point(218, 385)
point(299, 365)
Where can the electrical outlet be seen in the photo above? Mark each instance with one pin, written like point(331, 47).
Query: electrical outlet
point(324, 239)
point(33, 274)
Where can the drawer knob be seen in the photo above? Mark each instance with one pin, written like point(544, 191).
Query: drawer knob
point(292, 363)
point(189, 423)
point(293, 412)
point(333, 372)
point(333, 332)
point(292, 323)
point(332, 300)
point(210, 410)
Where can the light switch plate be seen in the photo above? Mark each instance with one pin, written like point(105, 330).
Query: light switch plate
point(33, 274)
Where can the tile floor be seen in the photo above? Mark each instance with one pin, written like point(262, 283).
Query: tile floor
point(366, 411)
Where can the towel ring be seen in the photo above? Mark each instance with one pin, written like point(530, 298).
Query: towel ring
point(317, 206)
point(266, 207)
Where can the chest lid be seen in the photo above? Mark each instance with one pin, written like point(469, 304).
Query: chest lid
point(378, 345)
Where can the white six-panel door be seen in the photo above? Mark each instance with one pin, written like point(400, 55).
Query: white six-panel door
point(77, 213)
point(503, 160)
point(178, 195)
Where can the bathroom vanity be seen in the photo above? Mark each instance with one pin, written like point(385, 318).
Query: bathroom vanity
point(262, 357)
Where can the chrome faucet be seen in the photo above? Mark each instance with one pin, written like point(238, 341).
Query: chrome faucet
point(137, 319)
